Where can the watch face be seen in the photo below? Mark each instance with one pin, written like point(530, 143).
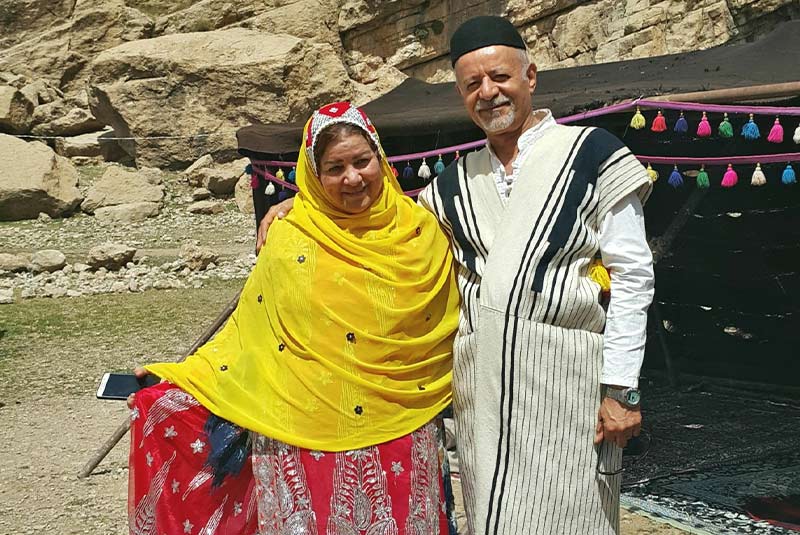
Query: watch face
point(633, 397)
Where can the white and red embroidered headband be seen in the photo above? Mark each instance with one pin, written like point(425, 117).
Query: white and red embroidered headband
point(337, 112)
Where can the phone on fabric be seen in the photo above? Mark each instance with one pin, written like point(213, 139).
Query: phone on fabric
point(121, 385)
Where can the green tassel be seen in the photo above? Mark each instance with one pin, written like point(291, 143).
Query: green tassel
point(725, 127)
point(702, 177)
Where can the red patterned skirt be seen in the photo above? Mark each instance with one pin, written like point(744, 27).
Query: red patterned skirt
point(395, 488)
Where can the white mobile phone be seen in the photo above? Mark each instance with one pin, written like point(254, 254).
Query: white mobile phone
point(121, 385)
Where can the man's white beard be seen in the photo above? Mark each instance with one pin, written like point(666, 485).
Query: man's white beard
point(499, 122)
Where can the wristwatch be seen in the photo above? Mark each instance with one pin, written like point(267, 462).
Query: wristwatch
point(630, 397)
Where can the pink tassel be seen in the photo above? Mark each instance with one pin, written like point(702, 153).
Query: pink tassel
point(776, 134)
point(704, 128)
point(730, 178)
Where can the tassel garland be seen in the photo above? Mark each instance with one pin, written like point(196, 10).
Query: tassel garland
point(702, 178)
point(659, 123)
point(776, 133)
point(681, 126)
point(758, 177)
point(725, 127)
point(750, 130)
point(424, 171)
point(730, 178)
point(438, 167)
point(675, 178)
point(788, 176)
point(638, 121)
point(408, 171)
point(652, 172)
point(704, 128)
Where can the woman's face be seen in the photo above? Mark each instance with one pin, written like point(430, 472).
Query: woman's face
point(350, 173)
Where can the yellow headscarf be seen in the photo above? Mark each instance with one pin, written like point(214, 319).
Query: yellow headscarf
point(343, 333)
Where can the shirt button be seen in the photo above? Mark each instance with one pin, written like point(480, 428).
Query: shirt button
point(223, 368)
point(260, 298)
point(351, 337)
point(301, 259)
point(358, 410)
point(281, 347)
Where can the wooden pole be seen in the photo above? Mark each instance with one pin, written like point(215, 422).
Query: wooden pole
point(736, 94)
point(120, 432)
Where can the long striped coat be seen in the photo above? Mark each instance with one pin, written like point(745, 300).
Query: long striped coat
point(529, 348)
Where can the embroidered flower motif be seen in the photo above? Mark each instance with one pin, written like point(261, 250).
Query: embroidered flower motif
point(176, 486)
point(187, 526)
point(134, 413)
point(317, 455)
point(149, 459)
point(237, 508)
point(170, 432)
point(397, 468)
point(197, 446)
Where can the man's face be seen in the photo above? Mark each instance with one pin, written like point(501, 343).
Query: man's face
point(496, 87)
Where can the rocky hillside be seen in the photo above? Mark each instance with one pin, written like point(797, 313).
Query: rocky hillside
point(187, 73)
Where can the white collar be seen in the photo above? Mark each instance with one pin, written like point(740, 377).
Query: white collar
point(528, 137)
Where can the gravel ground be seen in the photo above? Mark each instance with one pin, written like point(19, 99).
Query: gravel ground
point(53, 352)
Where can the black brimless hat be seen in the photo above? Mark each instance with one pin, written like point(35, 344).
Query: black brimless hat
point(480, 32)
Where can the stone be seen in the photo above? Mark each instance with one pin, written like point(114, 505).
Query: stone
point(203, 162)
point(13, 263)
point(16, 110)
point(190, 74)
point(197, 258)
point(6, 296)
point(83, 145)
point(119, 186)
point(47, 260)
point(218, 181)
point(43, 218)
point(243, 195)
point(134, 212)
point(200, 194)
point(205, 207)
point(58, 119)
point(74, 293)
point(119, 286)
point(40, 92)
point(112, 256)
point(35, 179)
point(80, 267)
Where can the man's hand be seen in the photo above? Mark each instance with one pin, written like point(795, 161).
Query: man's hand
point(139, 373)
point(617, 423)
point(278, 210)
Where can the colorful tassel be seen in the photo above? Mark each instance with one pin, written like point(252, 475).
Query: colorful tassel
point(730, 178)
point(248, 169)
point(438, 167)
point(408, 172)
point(652, 172)
point(638, 121)
point(292, 175)
point(659, 123)
point(270, 189)
point(675, 178)
point(758, 177)
point(395, 172)
point(750, 130)
point(681, 126)
point(788, 176)
point(424, 171)
point(254, 182)
point(776, 132)
point(796, 137)
point(458, 155)
point(725, 127)
point(599, 274)
point(704, 128)
point(702, 178)
point(279, 175)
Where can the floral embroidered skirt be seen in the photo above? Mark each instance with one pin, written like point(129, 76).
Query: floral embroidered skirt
point(395, 488)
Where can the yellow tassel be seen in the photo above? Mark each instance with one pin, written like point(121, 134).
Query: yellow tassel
point(652, 172)
point(599, 274)
point(279, 175)
point(638, 121)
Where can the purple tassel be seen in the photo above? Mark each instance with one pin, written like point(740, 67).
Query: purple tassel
point(675, 179)
point(681, 126)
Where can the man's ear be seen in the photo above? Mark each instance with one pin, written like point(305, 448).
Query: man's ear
point(532, 77)
point(458, 89)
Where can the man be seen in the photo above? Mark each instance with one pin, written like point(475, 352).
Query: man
point(526, 216)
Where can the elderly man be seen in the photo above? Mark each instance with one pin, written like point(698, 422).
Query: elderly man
point(536, 354)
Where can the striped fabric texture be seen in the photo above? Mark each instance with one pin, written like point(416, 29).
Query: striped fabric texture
point(528, 354)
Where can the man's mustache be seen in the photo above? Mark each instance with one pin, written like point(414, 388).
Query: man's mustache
point(488, 104)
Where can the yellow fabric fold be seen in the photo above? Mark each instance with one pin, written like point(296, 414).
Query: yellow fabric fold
point(343, 334)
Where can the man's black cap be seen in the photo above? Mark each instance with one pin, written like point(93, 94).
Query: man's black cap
point(479, 32)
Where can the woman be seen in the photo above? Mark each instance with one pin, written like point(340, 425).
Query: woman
point(336, 362)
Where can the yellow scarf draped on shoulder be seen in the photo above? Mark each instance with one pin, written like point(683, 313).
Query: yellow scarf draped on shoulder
point(343, 334)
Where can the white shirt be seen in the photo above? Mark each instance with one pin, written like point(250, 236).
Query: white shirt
point(626, 255)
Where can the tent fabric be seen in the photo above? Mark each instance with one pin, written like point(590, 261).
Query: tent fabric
point(417, 108)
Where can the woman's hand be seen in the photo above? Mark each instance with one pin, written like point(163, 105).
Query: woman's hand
point(278, 210)
point(139, 373)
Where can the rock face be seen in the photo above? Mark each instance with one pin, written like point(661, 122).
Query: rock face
point(119, 186)
point(277, 78)
point(35, 179)
point(111, 256)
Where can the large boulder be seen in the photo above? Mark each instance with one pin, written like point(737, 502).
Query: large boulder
point(134, 212)
point(212, 83)
point(47, 260)
point(34, 179)
point(60, 118)
point(111, 256)
point(16, 110)
point(243, 194)
point(120, 186)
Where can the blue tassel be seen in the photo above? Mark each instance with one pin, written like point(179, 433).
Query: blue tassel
point(229, 447)
point(408, 172)
point(249, 169)
point(788, 175)
point(750, 130)
point(438, 167)
point(681, 126)
point(675, 179)
point(292, 175)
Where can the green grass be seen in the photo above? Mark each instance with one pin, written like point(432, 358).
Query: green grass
point(64, 345)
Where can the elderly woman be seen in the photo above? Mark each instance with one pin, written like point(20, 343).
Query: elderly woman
point(334, 367)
